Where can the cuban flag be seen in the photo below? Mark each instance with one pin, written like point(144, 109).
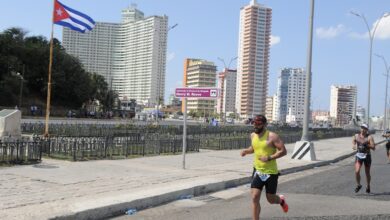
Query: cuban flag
point(75, 20)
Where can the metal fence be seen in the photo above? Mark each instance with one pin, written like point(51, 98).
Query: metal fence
point(20, 151)
point(114, 142)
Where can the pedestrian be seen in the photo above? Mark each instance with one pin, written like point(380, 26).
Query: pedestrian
point(267, 146)
point(363, 143)
point(387, 136)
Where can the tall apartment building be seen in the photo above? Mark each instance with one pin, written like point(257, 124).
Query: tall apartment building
point(269, 108)
point(226, 102)
point(343, 103)
point(291, 95)
point(200, 73)
point(253, 59)
point(361, 113)
point(131, 55)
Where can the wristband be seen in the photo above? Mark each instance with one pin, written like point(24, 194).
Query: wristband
point(269, 158)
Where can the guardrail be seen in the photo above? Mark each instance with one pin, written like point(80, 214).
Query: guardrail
point(115, 142)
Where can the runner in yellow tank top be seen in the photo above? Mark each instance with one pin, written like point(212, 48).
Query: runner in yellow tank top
point(261, 148)
point(266, 147)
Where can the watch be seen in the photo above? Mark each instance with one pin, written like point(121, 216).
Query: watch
point(269, 158)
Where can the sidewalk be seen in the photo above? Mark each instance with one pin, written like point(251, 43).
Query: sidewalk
point(99, 189)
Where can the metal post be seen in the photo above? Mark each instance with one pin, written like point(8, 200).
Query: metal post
point(387, 81)
point(308, 78)
point(371, 38)
point(184, 132)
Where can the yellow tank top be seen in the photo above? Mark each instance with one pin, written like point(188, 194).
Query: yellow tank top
point(261, 148)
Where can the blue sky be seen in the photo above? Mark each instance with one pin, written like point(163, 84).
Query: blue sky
point(208, 29)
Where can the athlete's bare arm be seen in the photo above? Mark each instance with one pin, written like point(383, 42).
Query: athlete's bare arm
point(275, 141)
point(354, 142)
point(371, 142)
point(248, 150)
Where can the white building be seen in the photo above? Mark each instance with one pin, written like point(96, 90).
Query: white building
point(253, 59)
point(269, 108)
point(199, 73)
point(291, 95)
point(226, 102)
point(343, 103)
point(131, 55)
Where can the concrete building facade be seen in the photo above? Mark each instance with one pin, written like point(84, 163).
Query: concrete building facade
point(253, 59)
point(343, 100)
point(131, 55)
point(227, 80)
point(291, 95)
point(199, 73)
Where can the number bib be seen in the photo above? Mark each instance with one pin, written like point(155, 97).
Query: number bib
point(361, 155)
point(262, 176)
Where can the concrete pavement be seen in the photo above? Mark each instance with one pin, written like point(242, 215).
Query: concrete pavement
point(56, 189)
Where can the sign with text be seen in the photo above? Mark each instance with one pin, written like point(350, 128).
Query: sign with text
point(208, 93)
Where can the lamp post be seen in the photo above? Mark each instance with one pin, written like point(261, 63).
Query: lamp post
point(306, 118)
point(371, 38)
point(304, 149)
point(227, 68)
point(21, 77)
point(387, 81)
point(159, 98)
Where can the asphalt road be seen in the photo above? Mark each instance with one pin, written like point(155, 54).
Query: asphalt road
point(320, 193)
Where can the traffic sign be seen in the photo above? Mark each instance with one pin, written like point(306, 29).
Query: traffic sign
point(209, 93)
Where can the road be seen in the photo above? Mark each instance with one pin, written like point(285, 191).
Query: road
point(320, 193)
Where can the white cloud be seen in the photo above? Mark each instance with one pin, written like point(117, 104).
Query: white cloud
point(275, 40)
point(331, 32)
point(171, 56)
point(383, 29)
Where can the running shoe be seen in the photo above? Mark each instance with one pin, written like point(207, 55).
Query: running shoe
point(283, 203)
point(368, 190)
point(358, 187)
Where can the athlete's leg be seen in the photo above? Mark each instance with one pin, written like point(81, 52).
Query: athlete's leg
point(388, 151)
point(271, 188)
point(273, 198)
point(367, 168)
point(358, 166)
point(256, 203)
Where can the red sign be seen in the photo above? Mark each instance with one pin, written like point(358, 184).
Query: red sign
point(197, 93)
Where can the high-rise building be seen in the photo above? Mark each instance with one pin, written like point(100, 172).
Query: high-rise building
point(343, 103)
point(269, 108)
point(361, 113)
point(291, 95)
point(200, 73)
point(226, 102)
point(131, 55)
point(253, 59)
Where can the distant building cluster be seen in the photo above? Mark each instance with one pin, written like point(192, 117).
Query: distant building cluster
point(131, 55)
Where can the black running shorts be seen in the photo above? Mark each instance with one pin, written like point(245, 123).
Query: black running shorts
point(271, 184)
point(367, 161)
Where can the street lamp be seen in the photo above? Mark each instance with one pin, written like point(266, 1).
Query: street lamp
point(159, 98)
point(387, 81)
point(21, 77)
point(227, 68)
point(371, 38)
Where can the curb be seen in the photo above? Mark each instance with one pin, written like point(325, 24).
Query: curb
point(119, 209)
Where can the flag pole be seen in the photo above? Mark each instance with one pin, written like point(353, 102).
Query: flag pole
point(49, 76)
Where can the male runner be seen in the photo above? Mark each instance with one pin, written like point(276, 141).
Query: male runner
point(267, 147)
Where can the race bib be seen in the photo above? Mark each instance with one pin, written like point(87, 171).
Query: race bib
point(361, 155)
point(262, 176)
